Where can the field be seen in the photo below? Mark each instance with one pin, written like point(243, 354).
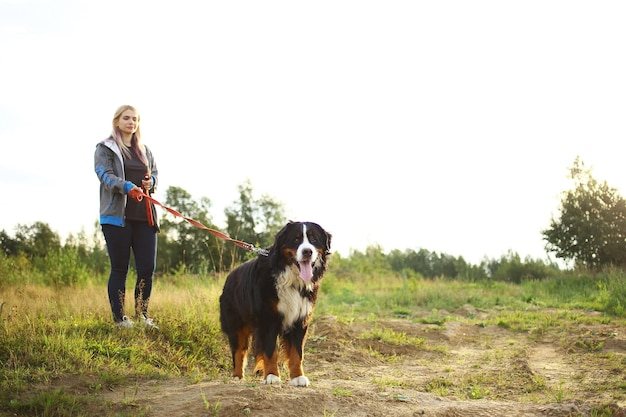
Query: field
point(463, 350)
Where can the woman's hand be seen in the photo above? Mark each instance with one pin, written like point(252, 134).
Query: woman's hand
point(147, 183)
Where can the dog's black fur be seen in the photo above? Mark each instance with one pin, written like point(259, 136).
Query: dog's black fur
point(272, 298)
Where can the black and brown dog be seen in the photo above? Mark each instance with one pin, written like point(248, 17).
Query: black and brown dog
point(271, 299)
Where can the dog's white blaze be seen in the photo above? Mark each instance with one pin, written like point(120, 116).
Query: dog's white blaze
point(306, 245)
point(292, 305)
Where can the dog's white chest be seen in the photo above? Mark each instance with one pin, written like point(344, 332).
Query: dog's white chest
point(291, 304)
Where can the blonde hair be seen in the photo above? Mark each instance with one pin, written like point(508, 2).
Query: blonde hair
point(136, 145)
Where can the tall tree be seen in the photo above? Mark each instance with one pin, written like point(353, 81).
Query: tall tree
point(591, 228)
point(254, 221)
point(8, 245)
point(37, 240)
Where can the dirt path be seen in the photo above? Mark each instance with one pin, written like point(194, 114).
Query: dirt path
point(461, 369)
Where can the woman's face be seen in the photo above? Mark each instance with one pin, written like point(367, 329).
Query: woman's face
point(128, 122)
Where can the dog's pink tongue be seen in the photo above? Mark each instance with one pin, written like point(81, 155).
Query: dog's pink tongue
point(306, 271)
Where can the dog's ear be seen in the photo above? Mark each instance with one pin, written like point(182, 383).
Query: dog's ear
point(328, 239)
point(274, 250)
point(279, 236)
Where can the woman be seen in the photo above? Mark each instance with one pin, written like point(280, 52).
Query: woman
point(126, 167)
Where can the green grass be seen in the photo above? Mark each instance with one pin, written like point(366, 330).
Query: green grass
point(391, 337)
point(393, 293)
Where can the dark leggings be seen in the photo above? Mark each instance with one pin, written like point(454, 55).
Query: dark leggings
point(142, 239)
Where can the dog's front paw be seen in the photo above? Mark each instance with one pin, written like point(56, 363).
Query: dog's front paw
point(300, 381)
point(271, 379)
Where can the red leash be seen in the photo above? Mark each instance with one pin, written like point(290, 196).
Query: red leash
point(246, 246)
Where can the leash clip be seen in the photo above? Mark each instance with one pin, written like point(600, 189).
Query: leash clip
point(261, 251)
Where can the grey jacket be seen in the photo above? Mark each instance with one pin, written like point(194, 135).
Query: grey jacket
point(109, 167)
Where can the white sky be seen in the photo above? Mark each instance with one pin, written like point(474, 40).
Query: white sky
point(443, 125)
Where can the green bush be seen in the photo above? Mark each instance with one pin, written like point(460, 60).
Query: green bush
point(15, 269)
point(614, 286)
point(63, 268)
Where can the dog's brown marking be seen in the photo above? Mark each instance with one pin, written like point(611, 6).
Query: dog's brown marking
point(293, 359)
point(267, 365)
point(241, 354)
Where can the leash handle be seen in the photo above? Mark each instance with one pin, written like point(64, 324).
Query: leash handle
point(148, 203)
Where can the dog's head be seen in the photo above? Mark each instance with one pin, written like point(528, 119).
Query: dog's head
point(306, 244)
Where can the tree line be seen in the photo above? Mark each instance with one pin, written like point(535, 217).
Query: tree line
point(589, 233)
